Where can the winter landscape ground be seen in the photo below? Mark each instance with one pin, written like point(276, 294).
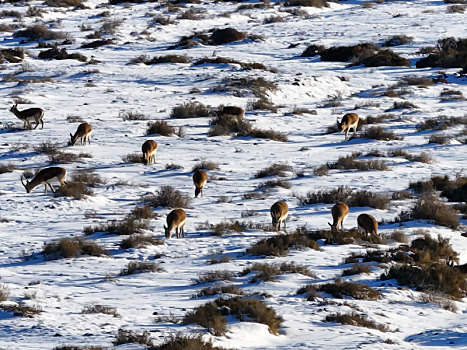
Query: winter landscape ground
point(93, 292)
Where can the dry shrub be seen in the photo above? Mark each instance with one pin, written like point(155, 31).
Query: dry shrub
point(145, 212)
point(338, 237)
point(397, 40)
point(4, 292)
point(276, 169)
point(440, 139)
point(162, 59)
point(359, 291)
point(433, 277)
point(212, 315)
point(226, 124)
point(167, 196)
point(71, 248)
point(399, 236)
point(75, 190)
point(173, 166)
point(10, 13)
point(269, 272)
point(191, 110)
point(88, 177)
point(422, 157)
point(307, 3)
point(47, 148)
point(219, 289)
point(261, 104)
point(243, 65)
point(7, 168)
point(439, 299)
point(321, 170)
point(226, 227)
point(160, 127)
point(125, 336)
point(206, 165)
point(441, 123)
point(378, 133)
point(139, 241)
point(349, 162)
point(449, 53)
point(185, 342)
point(356, 269)
point(310, 292)
point(223, 259)
point(383, 58)
point(133, 116)
point(267, 134)
point(21, 310)
point(14, 55)
point(39, 32)
point(274, 183)
point(78, 347)
point(100, 309)
point(134, 267)
point(259, 86)
point(97, 43)
point(280, 245)
point(61, 54)
point(302, 110)
point(77, 4)
point(226, 35)
point(214, 276)
point(127, 226)
point(354, 319)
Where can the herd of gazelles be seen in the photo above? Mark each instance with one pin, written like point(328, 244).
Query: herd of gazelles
point(177, 218)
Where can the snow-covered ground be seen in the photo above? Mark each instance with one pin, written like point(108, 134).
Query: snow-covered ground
point(100, 93)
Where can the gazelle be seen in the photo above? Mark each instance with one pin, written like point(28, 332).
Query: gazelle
point(232, 110)
point(367, 224)
point(349, 120)
point(175, 221)
point(199, 179)
point(29, 115)
point(44, 176)
point(339, 212)
point(279, 213)
point(149, 149)
point(82, 134)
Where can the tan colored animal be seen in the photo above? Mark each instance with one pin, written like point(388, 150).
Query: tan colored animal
point(149, 149)
point(175, 221)
point(44, 176)
point(279, 213)
point(29, 115)
point(339, 212)
point(232, 110)
point(367, 224)
point(82, 134)
point(349, 120)
point(199, 179)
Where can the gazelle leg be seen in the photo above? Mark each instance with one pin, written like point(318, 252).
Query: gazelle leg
point(285, 226)
point(45, 187)
point(53, 191)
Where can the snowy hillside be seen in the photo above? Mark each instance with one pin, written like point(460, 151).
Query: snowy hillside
point(412, 128)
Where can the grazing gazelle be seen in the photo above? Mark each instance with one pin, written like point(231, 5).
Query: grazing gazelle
point(199, 179)
point(29, 115)
point(279, 213)
point(349, 120)
point(339, 212)
point(232, 110)
point(82, 134)
point(44, 176)
point(367, 224)
point(175, 221)
point(149, 149)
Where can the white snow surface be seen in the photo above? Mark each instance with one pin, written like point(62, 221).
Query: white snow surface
point(99, 93)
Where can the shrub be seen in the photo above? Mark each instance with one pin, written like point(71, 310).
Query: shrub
point(75, 190)
point(127, 226)
point(134, 267)
point(274, 183)
point(61, 54)
point(224, 60)
point(226, 227)
point(354, 319)
point(449, 53)
point(226, 124)
point(339, 289)
point(160, 127)
point(266, 134)
point(349, 162)
point(206, 165)
point(258, 86)
point(430, 208)
point(378, 133)
point(261, 104)
point(126, 336)
point(276, 169)
point(4, 292)
point(139, 241)
point(77, 347)
point(225, 36)
point(21, 310)
point(97, 43)
point(142, 212)
point(399, 236)
point(214, 276)
point(191, 110)
point(439, 139)
point(441, 123)
point(47, 148)
point(132, 116)
point(88, 177)
point(310, 292)
point(7, 168)
point(422, 157)
point(133, 158)
point(337, 237)
point(397, 40)
point(39, 32)
point(268, 272)
point(280, 245)
point(162, 59)
point(14, 55)
point(65, 157)
point(71, 248)
point(167, 196)
point(356, 269)
point(383, 58)
point(454, 190)
point(219, 289)
point(307, 3)
point(436, 277)
point(66, 3)
point(183, 342)
point(212, 315)
point(100, 309)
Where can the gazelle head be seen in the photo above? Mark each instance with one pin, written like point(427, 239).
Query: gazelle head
point(73, 140)
point(13, 108)
point(26, 185)
point(167, 232)
point(340, 124)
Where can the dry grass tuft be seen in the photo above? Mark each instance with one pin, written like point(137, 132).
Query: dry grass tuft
point(72, 248)
point(167, 196)
point(269, 272)
point(134, 267)
point(191, 110)
point(100, 309)
point(280, 245)
point(139, 241)
point(359, 291)
point(354, 319)
point(160, 127)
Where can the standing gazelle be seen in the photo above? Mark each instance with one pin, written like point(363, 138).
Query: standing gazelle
point(367, 224)
point(339, 212)
point(149, 149)
point(29, 115)
point(82, 134)
point(349, 120)
point(279, 213)
point(175, 221)
point(44, 176)
point(199, 179)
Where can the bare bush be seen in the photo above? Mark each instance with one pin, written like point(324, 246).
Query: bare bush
point(440, 139)
point(280, 245)
point(127, 336)
point(127, 226)
point(71, 248)
point(160, 127)
point(185, 342)
point(397, 40)
point(100, 309)
point(354, 319)
point(134, 267)
point(356, 269)
point(139, 241)
point(276, 169)
point(167, 196)
point(214, 276)
point(7, 168)
point(75, 190)
point(39, 32)
point(206, 165)
point(191, 110)
point(132, 116)
point(269, 272)
point(339, 289)
point(378, 133)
